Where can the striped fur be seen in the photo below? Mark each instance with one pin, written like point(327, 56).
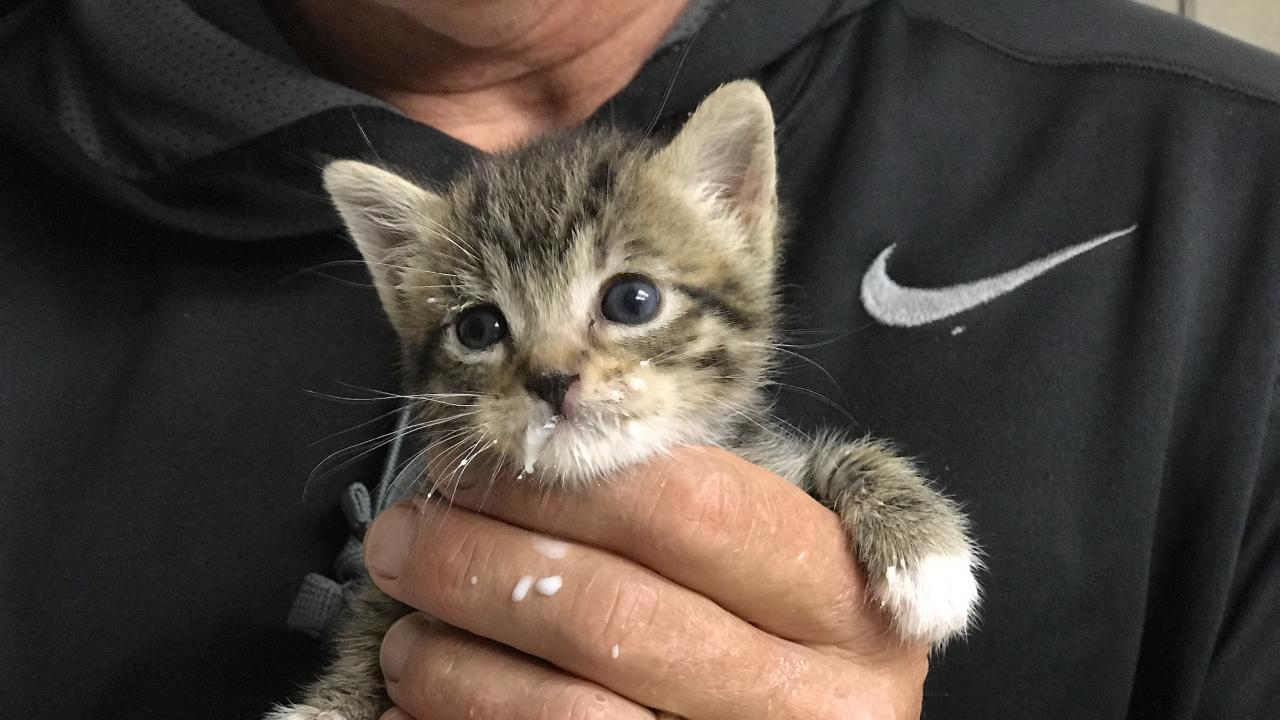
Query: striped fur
point(538, 233)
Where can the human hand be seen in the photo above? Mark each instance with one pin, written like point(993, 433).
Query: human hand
point(696, 583)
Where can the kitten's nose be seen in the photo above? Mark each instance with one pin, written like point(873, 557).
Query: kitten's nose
point(551, 387)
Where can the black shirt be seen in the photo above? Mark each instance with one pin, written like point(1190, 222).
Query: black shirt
point(1110, 425)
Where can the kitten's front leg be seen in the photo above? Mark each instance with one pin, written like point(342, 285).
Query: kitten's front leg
point(912, 541)
point(352, 688)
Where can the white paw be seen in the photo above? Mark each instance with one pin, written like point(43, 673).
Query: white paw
point(304, 712)
point(932, 600)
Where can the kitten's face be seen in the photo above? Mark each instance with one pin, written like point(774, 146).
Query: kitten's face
point(585, 302)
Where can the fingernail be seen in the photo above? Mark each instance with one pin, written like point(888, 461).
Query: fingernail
point(396, 646)
point(386, 548)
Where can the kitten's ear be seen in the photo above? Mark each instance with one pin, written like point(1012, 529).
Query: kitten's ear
point(383, 212)
point(726, 150)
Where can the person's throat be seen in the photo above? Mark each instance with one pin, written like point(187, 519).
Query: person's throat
point(494, 74)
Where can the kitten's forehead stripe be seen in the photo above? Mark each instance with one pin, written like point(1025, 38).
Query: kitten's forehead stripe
point(530, 203)
point(600, 181)
point(601, 177)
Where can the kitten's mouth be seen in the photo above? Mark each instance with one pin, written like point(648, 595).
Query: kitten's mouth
point(578, 429)
point(552, 442)
point(536, 436)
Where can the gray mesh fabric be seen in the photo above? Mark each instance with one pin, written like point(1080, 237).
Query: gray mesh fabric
point(143, 86)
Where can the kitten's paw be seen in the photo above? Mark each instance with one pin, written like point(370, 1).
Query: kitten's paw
point(931, 600)
point(304, 712)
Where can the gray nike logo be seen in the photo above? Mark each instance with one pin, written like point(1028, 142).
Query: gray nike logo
point(897, 306)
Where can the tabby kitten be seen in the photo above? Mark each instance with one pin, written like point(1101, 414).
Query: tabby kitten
point(596, 298)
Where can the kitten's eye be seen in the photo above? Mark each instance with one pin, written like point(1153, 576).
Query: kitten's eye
point(630, 300)
point(480, 327)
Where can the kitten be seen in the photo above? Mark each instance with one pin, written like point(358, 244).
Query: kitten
point(596, 298)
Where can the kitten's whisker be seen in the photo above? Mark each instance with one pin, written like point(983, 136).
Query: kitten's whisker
point(810, 361)
point(840, 337)
point(373, 443)
point(455, 474)
point(333, 435)
point(742, 414)
point(444, 233)
point(383, 396)
point(406, 268)
point(401, 468)
point(343, 399)
point(816, 395)
point(848, 415)
point(330, 277)
point(663, 354)
point(437, 401)
point(773, 417)
point(365, 135)
point(386, 394)
point(671, 83)
point(493, 479)
point(441, 447)
point(320, 472)
point(444, 443)
point(812, 331)
point(318, 269)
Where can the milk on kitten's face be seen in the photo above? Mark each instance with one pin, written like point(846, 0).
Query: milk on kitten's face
point(591, 303)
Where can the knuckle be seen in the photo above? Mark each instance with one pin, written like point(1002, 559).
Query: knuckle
point(573, 702)
point(454, 555)
point(439, 675)
point(440, 661)
point(626, 607)
point(704, 502)
point(411, 671)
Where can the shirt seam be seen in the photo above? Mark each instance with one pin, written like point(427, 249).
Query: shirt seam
point(1138, 65)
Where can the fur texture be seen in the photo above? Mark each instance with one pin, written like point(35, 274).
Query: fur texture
point(537, 238)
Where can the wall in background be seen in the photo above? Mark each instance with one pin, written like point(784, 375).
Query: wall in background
point(1255, 21)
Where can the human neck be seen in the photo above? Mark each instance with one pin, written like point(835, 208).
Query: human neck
point(493, 74)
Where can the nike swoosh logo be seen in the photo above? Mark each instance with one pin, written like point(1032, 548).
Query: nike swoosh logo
point(897, 306)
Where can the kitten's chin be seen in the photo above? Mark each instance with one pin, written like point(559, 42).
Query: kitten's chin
point(575, 454)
